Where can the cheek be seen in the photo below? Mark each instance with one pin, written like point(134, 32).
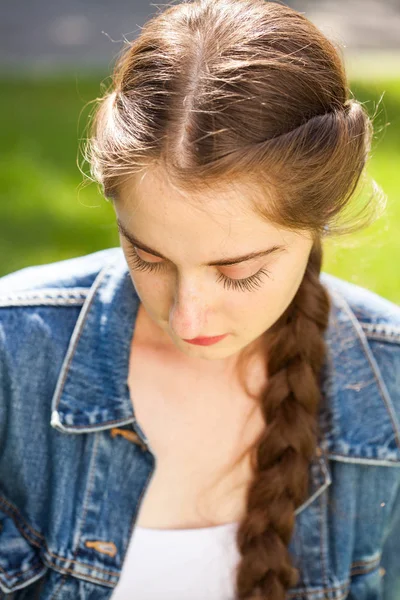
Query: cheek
point(149, 290)
point(255, 312)
point(246, 311)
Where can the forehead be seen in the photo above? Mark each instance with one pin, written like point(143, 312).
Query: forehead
point(152, 199)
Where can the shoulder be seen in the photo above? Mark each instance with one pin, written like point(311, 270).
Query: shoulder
point(363, 337)
point(375, 322)
point(40, 304)
point(378, 317)
point(59, 282)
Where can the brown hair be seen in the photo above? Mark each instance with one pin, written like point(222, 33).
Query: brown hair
point(214, 91)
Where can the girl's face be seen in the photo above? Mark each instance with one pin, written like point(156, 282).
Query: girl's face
point(173, 246)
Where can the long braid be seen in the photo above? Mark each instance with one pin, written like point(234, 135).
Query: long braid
point(290, 402)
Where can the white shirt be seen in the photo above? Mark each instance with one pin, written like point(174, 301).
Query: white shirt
point(178, 564)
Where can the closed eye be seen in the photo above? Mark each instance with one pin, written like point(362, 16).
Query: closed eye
point(247, 284)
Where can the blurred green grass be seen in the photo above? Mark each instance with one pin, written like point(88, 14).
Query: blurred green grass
point(47, 215)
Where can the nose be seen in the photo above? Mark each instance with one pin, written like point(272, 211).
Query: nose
point(188, 313)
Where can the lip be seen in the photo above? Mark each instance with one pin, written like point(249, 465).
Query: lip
point(206, 341)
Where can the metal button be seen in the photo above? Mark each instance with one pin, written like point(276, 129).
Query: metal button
point(102, 547)
point(132, 436)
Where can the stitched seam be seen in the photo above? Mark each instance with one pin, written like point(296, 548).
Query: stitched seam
point(17, 515)
point(381, 337)
point(361, 571)
point(386, 332)
point(49, 297)
point(94, 426)
point(76, 562)
point(364, 566)
point(32, 569)
point(365, 562)
point(30, 304)
point(321, 543)
point(85, 577)
point(363, 459)
point(381, 326)
point(341, 588)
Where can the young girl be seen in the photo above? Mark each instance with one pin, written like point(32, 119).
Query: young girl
point(201, 414)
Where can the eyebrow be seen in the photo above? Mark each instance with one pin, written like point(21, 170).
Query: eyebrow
point(217, 263)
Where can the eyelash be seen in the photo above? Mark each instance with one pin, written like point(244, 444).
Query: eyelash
point(248, 284)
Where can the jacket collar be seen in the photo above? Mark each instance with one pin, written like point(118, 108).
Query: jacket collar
point(97, 360)
point(92, 393)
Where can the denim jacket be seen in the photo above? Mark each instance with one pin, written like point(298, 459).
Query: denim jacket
point(75, 463)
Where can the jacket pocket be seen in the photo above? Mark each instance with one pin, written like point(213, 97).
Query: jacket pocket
point(20, 561)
